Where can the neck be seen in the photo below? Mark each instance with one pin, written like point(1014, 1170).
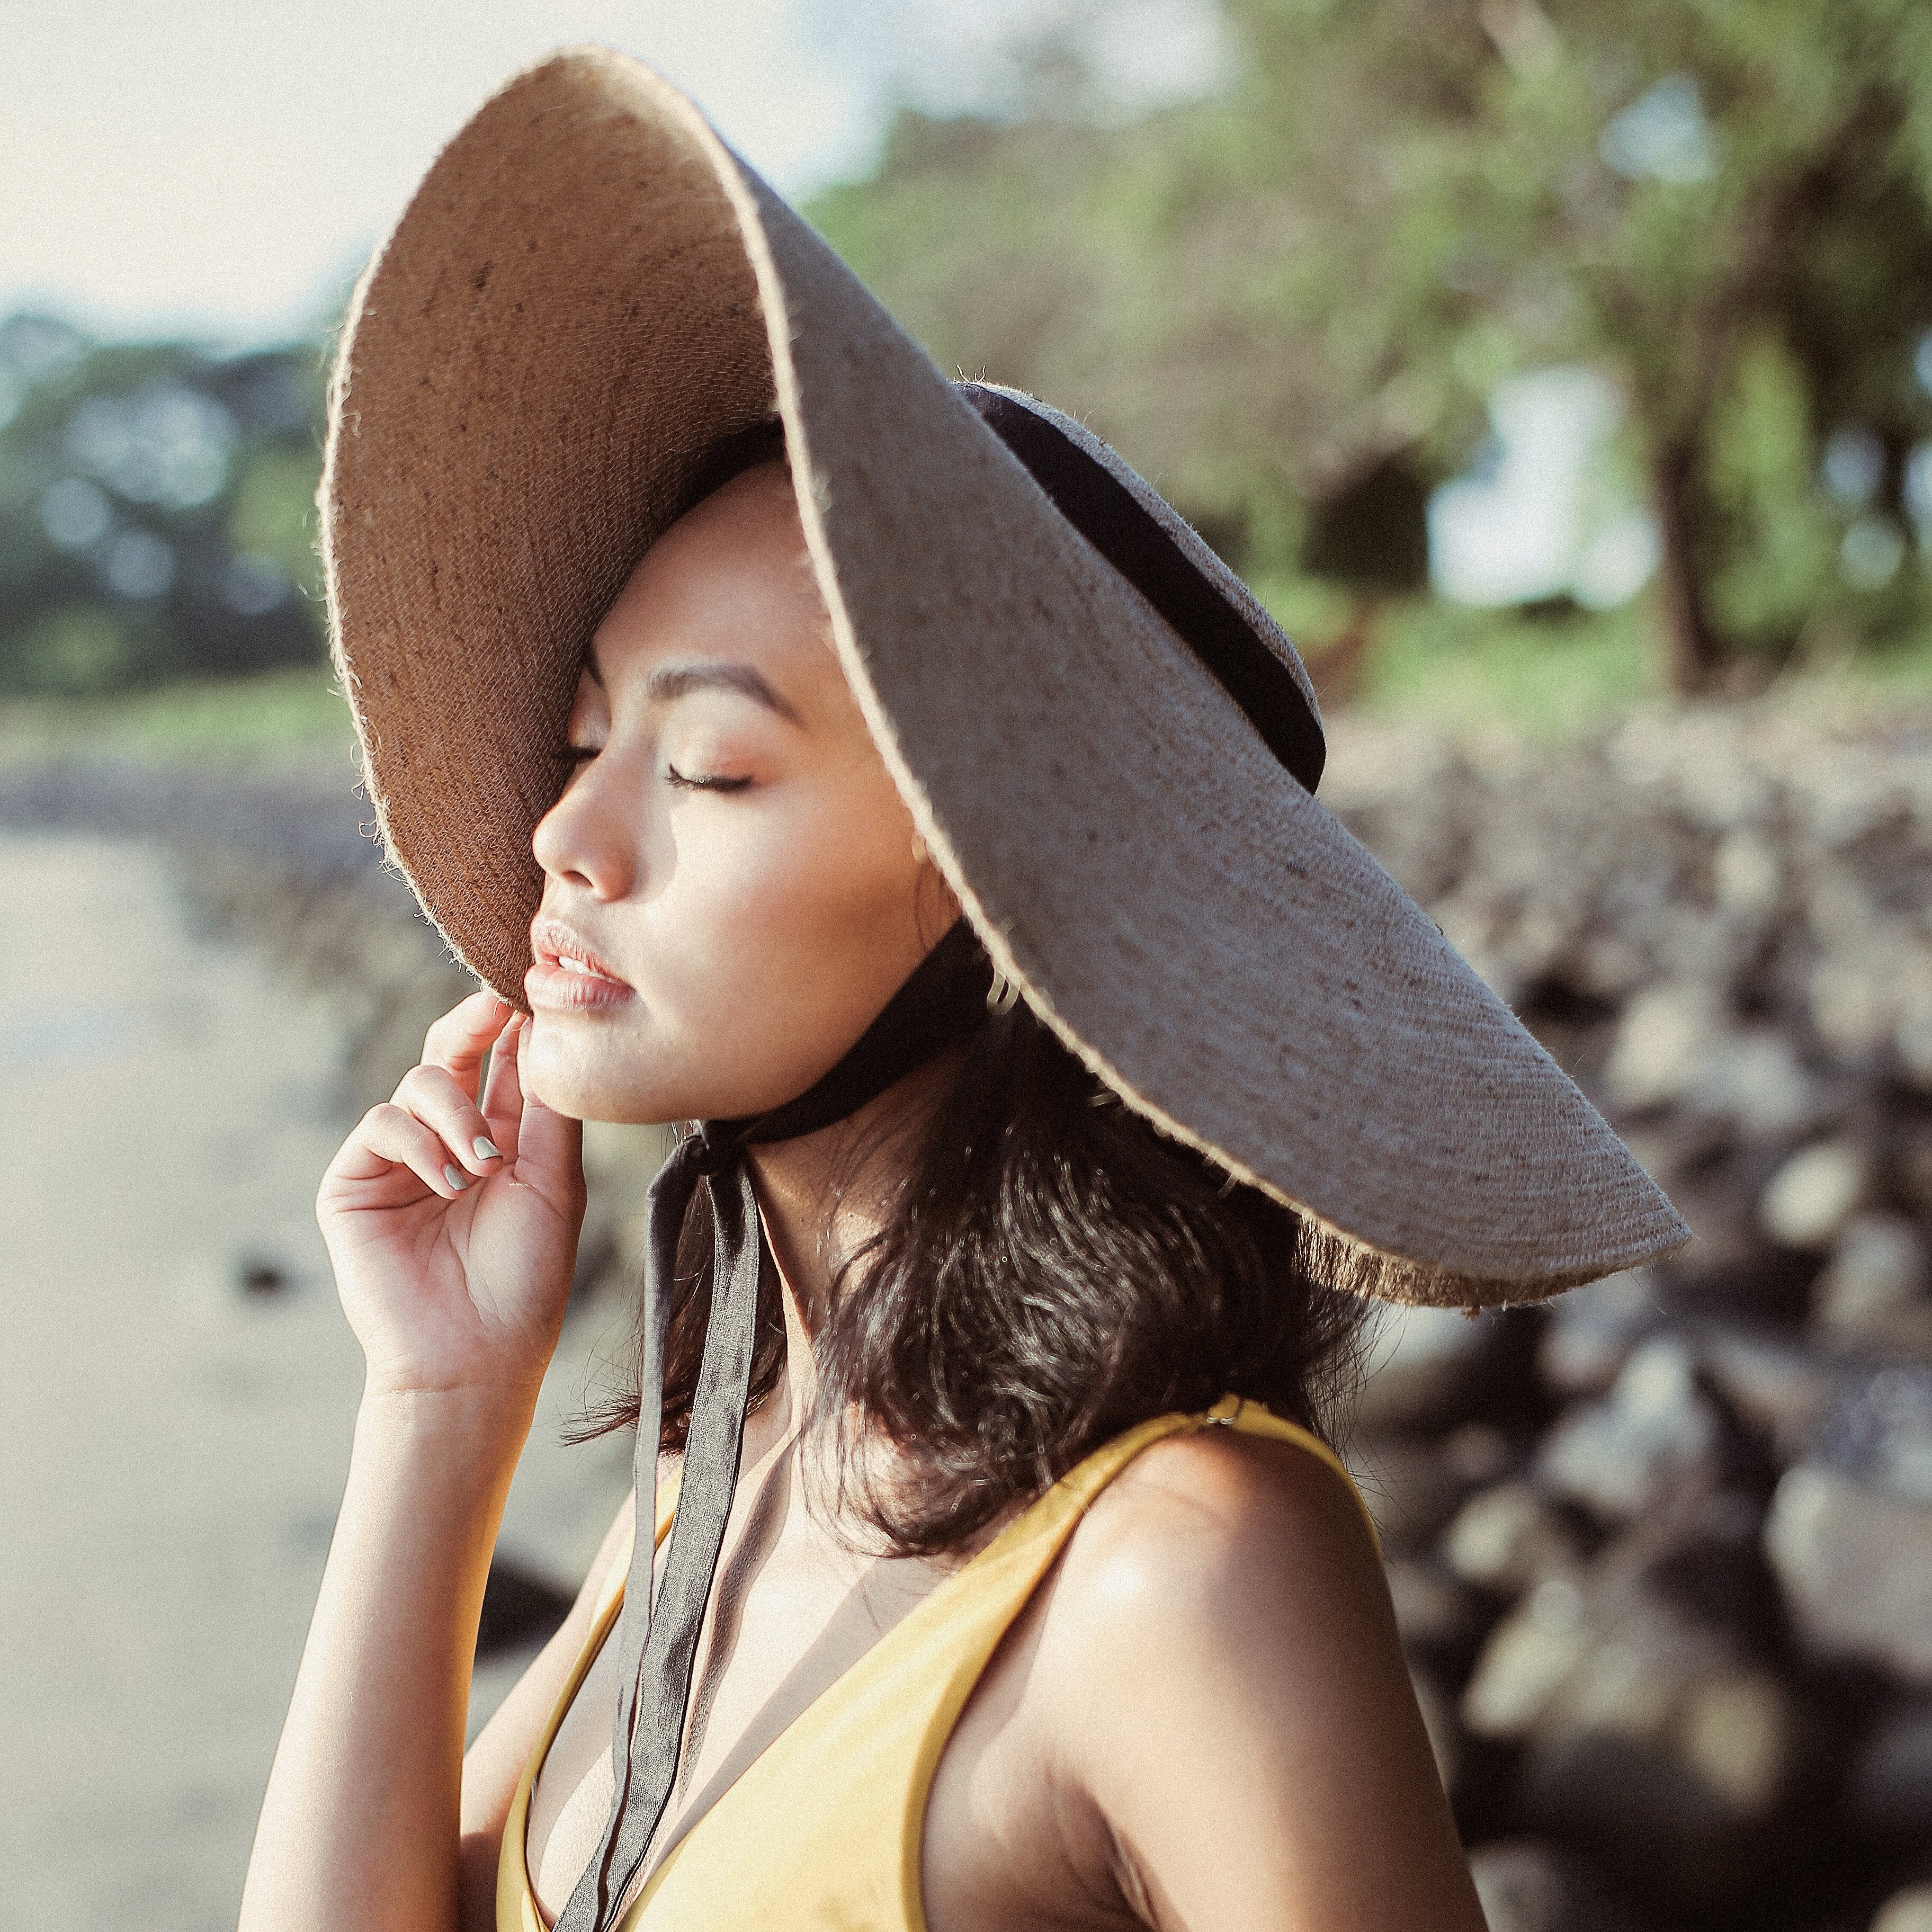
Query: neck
point(824, 1195)
point(822, 1198)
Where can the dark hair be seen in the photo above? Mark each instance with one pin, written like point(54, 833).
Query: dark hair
point(1052, 1270)
point(730, 456)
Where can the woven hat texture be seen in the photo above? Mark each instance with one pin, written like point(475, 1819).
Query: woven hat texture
point(587, 291)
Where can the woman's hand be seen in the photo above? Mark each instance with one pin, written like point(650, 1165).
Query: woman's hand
point(453, 1227)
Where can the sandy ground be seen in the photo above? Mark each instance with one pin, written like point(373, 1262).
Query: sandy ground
point(173, 1445)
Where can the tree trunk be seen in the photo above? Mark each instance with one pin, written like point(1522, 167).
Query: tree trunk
point(1336, 670)
point(1694, 656)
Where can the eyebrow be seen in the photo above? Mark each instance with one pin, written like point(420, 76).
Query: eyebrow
point(672, 681)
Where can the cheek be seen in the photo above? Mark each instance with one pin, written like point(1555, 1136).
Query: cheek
point(785, 928)
point(805, 876)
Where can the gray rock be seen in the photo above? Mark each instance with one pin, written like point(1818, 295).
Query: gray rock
point(1882, 1431)
point(1721, 915)
point(1617, 1660)
point(1806, 1203)
point(1889, 1792)
point(1873, 1288)
point(1849, 1532)
point(1851, 999)
point(1747, 872)
point(1476, 1453)
point(1912, 1040)
point(1608, 966)
point(1411, 1488)
point(1776, 1384)
point(1438, 1719)
point(1855, 1562)
point(1754, 1078)
point(1529, 1657)
point(1420, 1364)
point(1907, 1911)
point(1433, 1610)
point(1506, 1539)
point(1655, 1738)
point(1663, 1040)
point(1526, 1885)
point(1653, 1433)
point(1592, 1331)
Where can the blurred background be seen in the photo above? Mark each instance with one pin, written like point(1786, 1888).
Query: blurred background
point(1560, 374)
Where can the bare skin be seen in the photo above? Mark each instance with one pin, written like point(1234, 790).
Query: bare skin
point(732, 890)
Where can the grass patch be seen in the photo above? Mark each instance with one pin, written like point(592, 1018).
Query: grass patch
point(271, 718)
point(1462, 670)
point(1543, 675)
point(1466, 669)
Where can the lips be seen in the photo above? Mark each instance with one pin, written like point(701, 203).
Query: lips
point(566, 976)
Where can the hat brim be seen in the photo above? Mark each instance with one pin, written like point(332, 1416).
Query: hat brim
point(588, 290)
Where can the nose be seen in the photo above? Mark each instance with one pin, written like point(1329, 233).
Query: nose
point(586, 840)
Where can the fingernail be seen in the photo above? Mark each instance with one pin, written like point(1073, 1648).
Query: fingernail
point(486, 1148)
point(455, 1176)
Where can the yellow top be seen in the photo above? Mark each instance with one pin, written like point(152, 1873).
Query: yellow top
point(822, 1832)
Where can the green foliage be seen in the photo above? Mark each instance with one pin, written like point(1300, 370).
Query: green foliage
point(156, 518)
point(72, 649)
point(1771, 541)
point(1461, 669)
point(273, 514)
point(1723, 206)
point(270, 718)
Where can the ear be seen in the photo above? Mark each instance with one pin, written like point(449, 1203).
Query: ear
point(935, 905)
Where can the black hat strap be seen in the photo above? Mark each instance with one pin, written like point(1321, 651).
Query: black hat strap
point(943, 1002)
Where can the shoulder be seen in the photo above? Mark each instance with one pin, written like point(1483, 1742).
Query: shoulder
point(1228, 1701)
point(1215, 1530)
point(1222, 1581)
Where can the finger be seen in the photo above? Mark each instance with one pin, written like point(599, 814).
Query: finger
point(503, 1090)
point(550, 1146)
point(435, 1099)
point(457, 1042)
point(389, 1137)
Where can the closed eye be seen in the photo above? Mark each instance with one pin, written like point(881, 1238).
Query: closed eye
point(702, 782)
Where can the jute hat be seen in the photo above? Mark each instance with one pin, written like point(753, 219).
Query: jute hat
point(1105, 743)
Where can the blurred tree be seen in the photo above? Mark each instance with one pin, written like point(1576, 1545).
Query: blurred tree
point(1726, 204)
point(156, 510)
point(1270, 297)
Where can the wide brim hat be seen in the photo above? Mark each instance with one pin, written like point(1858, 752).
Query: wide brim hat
point(589, 291)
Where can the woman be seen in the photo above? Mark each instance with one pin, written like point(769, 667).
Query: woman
point(918, 805)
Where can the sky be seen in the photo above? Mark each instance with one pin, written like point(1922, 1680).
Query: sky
point(1543, 515)
point(227, 165)
point(221, 168)
point(224, 166)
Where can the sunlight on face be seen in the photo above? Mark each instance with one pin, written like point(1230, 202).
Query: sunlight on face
point(731, 891)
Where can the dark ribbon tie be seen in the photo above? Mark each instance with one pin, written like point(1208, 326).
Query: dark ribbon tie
point(943, 1001)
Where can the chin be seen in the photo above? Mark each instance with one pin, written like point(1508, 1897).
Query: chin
point(584, 1079)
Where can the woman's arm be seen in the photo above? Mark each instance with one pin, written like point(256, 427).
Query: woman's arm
point(359, 1824)
point(1258, 1759)
point(496, 1761)
point(453, 1261)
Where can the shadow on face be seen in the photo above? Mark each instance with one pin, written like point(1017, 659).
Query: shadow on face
point(733, 889)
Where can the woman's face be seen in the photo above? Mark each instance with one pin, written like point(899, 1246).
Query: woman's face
point(732, 889)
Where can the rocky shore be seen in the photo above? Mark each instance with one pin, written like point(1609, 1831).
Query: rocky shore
point(1661, 1553)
